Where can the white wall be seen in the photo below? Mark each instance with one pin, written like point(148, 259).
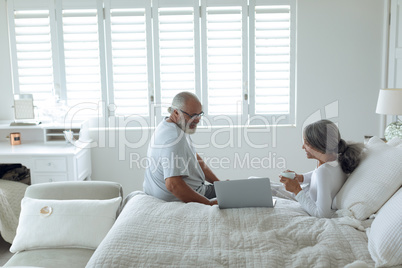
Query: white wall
point(6, 93)
point(339, 60)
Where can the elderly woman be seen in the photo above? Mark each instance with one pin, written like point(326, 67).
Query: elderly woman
point(335, 160)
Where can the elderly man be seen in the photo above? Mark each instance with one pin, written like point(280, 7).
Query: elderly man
point(175, 171)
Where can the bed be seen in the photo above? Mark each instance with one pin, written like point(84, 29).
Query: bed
point(161, 234)
point(367, 232)
point(153, 233)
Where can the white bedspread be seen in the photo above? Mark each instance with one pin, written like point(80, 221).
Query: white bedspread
point(151, 232)
point(11, 194)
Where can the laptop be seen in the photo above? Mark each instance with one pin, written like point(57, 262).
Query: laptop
point(244, 193)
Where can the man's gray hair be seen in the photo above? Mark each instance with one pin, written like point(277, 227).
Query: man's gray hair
point(180, 100)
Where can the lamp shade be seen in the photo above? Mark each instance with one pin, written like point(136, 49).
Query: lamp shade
point(390, 101)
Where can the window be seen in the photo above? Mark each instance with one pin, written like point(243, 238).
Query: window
point(81, 56)
point(132, 57)
point(272, 57)
point(175, 39)
point(176, 52)
point(224, 51)
point(32, 51)
point(129, 61)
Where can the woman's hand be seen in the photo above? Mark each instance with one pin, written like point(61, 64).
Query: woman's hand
point(291, 185)
point(298, 177)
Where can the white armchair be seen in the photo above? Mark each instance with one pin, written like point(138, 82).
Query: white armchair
point(64, 257)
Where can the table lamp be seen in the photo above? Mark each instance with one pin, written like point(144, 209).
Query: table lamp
point(390, 103)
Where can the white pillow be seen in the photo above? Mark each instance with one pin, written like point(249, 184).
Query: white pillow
point(64, 223)
point(374, 181)
point(385, 234)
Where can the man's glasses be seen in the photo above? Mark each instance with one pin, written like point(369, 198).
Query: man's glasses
point(194, 116)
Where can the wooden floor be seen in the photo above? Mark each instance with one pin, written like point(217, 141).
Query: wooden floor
point(5, 254)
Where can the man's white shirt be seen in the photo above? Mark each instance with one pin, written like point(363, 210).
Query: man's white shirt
point(171, 153)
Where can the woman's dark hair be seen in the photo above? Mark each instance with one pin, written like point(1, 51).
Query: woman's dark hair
point(324, 136)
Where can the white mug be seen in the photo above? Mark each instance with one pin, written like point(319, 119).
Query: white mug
point(290, 175)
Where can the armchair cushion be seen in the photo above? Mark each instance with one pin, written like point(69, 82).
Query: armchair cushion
point(79, 223)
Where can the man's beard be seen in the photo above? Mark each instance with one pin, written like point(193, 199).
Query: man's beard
point(186, 127)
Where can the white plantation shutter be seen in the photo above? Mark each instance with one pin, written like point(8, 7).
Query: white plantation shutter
point(224, 52)
point(176, 35)
point(238, 56)
point(81, 57)
point(129, 61)
point(80, 33)
point(272, 60)
point(31, 43)
point(176, 51)
point(272, 71)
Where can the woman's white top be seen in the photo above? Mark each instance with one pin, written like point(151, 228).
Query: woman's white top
point(325, 182)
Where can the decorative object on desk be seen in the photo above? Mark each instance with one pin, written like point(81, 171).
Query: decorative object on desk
point(390, 103)
point(53, 110)
point(24, 113)
point(15, 138)
point(69, 136)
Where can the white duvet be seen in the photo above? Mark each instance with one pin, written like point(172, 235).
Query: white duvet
point(154, 233)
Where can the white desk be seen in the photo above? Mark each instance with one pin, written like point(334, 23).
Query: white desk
point(48, 162)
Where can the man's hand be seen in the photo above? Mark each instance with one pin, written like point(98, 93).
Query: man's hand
point(209, 175)
point(213, 202)
point(179, 188)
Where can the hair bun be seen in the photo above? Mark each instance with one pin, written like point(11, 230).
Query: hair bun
point(342, 145)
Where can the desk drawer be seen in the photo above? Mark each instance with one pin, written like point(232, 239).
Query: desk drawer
point(45, 177)
point(57, 164)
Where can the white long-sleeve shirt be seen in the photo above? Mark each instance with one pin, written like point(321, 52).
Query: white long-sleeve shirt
point(325, 182)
